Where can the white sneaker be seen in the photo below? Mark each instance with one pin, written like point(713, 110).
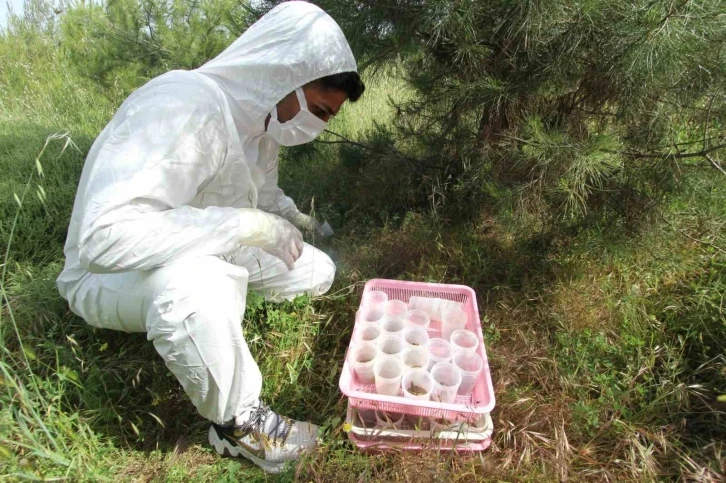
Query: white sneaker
point(266, 438)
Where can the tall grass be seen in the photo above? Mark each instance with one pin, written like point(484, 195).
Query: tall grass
point(43, 432)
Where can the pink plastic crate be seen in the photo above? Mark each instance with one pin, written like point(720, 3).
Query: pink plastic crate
point(480, 401)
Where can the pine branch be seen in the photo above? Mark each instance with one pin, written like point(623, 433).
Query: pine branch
point(702, 153)
point(345, 140)
point(394, 152)
point(715, 164)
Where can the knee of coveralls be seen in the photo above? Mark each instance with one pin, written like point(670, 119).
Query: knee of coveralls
point(194, 322)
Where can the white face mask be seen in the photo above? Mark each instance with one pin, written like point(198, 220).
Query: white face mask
point(301, 129)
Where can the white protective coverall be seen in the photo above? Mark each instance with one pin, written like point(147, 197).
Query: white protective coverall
point(154, 239)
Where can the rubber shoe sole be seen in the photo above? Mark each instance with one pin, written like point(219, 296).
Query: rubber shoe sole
point(222, 446)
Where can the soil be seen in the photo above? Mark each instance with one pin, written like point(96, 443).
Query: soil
point(417, 390)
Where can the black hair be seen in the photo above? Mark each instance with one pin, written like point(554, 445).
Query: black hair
point(348, 82)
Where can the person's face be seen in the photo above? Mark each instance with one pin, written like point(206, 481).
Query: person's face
point(323, 103)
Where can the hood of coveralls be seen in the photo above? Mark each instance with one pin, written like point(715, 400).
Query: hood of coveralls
point(295, 43)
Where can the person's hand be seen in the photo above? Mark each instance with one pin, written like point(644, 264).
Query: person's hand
point(273, 234)
point(305, 222)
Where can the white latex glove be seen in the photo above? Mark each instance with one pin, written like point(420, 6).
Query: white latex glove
point(305, 222)
point(273, 234)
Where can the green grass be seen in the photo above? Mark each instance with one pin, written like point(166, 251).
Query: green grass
point(607, 347)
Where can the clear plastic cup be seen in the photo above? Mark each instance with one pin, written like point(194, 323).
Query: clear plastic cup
point(464, 340)
point(417, 319)
point(390, 345)
point(367, 333)
point(374, 298)
point(415, 357)
point(392, 326)
point(389, 420)
point(433, 306)
point(452, 318)
point(441, 424)
point(417, 423)
point(395, 308)
point(372, 315)
point(439, 351)
point(366, 418)
point(416, 337)
point(470, 365)
point(363, 359)
point(447, 378)
point(388, 373)
point(417, 384)
point(426, 304)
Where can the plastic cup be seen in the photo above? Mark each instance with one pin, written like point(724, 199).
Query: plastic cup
point(426, 304)
point(439, 351)
point(374, 298)
point(441, 424)
point(432, 305)
point(415, 357)
point(464, 340)
point(392, 326)
point(388, 420)
point(363, 359)
point(453, 318)
point(447, 378)
point(366, 418)
point(420, 382)
point(368, 333)
point(395, 308)
point(470, 365)
point(372, 315)
point(388, 373)
point(390, 345)
point(417, 319)
point(417, 423)
point(416, 337)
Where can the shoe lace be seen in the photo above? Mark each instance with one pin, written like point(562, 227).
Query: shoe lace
point(258, 419)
